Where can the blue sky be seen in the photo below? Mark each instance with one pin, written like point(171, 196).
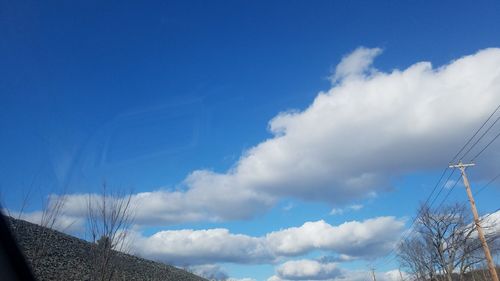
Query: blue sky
point(177, 98)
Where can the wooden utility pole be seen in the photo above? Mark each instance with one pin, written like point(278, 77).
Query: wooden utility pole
point(401, 274)
point(373, 274)
point(489, 259)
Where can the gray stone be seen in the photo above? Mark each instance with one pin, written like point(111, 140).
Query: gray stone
point(56, 256)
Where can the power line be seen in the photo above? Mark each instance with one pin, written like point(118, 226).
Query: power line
point(470, 148)
point(477, 220)
point(482, 150)
point(486, 185)
point(480, 246)
point(442, 188)
point(414, 220)
point(491, 213)
point(446, 169)
point(480, 138)
point(449, 192)
point(426, 201)
point(485, 122)
point(433, 190)
point(489, 239)
point(437, 184)
point(477, 131)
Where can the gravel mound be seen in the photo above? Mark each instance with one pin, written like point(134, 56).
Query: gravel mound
point(56, 256)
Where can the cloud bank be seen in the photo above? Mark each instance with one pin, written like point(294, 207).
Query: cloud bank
point(350, 143)
point(355, 239)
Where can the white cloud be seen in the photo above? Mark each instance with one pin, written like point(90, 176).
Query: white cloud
point(356, 207)
point(369, 128)
point(491, 223)
point(197, 204)
point(202, 246)
point(288, 206)
point(453, 184)
point(360, 275)
point(209, 271)
point(450, 183)
point(340, 211)
point(372, 237)
point(350, 240)
point(356, 64)
point(337, 211)
point(61, 222)
point(214, 272)
point(307, 270)
point(394, 275)
point(313, 270)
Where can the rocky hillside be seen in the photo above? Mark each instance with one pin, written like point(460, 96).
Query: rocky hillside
point(57, 256)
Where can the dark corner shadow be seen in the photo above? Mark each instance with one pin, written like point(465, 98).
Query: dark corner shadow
point(13, 266)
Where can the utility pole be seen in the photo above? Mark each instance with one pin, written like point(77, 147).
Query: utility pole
point(489, 259)
point(373, 274)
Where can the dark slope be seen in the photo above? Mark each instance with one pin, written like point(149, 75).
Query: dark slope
point(64, 257)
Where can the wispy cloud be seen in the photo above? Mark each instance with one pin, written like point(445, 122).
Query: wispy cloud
point(340, 211)
point(288, 206)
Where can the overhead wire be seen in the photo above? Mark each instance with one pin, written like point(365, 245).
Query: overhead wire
point(482, 150)
point(438, 183)
point(449, 192)
point(456, 157)
point(475, 133)
point(476, 142)
point(481, 137)
point(426, 201)
point(442, 188)
point(490, 213)
point(487, 184)
point(494, 236)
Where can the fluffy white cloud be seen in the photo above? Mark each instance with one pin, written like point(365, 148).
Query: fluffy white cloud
point(314, 270)
point(365, 239)
point(371, 237)
point(202, 246)
point(356, 64)
point(167, 207)
point(308, 270)
point(351, 142)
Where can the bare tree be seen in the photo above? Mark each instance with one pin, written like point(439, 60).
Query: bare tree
point(415, 256)
point(49, 217)
point(109, 218)
point(52, 210)
point(444, 244)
